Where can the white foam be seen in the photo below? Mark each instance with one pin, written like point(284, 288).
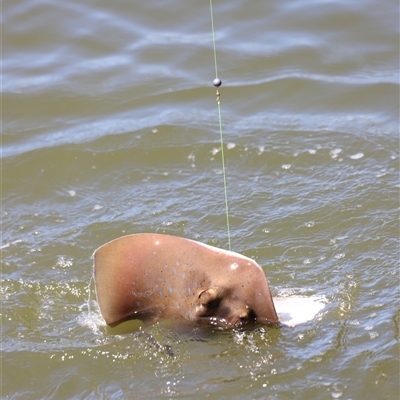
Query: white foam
point(335, 152)
point(295, 310)
point(357, 156)
point(91, 317)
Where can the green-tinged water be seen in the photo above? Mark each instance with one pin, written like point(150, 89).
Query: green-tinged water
point(110, 127)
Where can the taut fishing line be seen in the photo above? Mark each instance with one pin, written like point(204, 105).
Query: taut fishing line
point(217, 83)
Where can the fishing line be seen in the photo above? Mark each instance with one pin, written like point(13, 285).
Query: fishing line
point(217, 83)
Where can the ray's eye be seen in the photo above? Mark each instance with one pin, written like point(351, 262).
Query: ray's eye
point(212, 304)
point(209, 303)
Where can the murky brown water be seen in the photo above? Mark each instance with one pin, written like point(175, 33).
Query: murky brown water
point(109, 127)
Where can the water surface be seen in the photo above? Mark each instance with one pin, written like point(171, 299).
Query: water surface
point(110, 127)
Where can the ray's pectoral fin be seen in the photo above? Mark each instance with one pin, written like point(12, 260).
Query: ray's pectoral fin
point(207, 303)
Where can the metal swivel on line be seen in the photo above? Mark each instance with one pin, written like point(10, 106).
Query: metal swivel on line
point(217, 83)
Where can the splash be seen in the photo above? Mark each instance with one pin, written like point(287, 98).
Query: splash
point(295, 310)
